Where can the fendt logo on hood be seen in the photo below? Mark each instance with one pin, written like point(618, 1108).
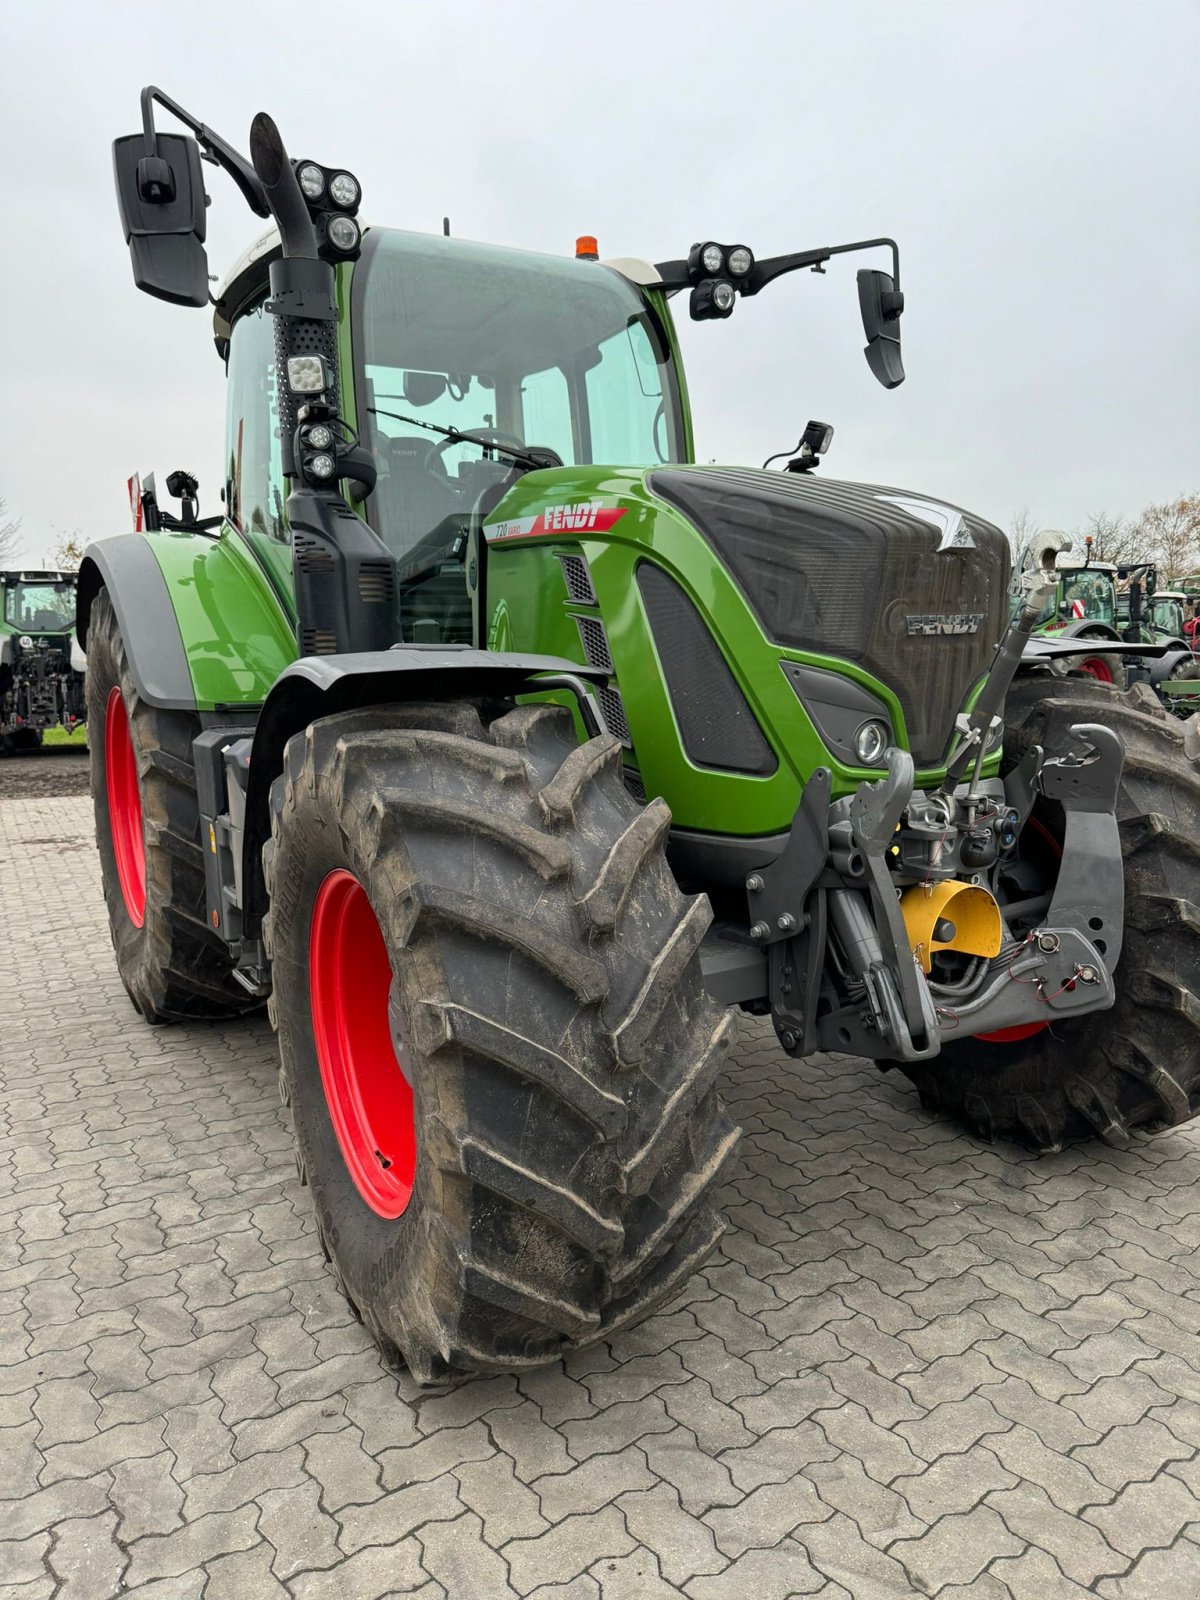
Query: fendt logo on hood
point(948, 522)
point(948, 622)
point(586, 516)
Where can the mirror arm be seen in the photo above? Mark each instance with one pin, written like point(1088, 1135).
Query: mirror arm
point(212, 145)
point(765, 272)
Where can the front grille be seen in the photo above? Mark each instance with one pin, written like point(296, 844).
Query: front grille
point(613, 708)
point(578, 579)
point(838, 568)
point(595, 643)
point(717, 725)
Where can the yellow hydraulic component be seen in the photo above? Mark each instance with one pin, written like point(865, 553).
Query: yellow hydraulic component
point(972, 913)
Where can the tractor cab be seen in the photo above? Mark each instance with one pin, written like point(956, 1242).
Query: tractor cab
point(1083, 594)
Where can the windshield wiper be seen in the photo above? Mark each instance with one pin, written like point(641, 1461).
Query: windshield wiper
point(531, 458)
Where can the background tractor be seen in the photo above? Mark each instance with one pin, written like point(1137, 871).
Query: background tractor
point(506, 752)
point(41, 665)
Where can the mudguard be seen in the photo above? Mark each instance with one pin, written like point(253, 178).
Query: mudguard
point(203, 627)
point(125, 566)
point(321, 686)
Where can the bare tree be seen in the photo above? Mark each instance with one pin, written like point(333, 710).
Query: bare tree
point(9, 529)
point(68, 552)
point(1114, 539)
point(1021, 528)
point(1170, 534)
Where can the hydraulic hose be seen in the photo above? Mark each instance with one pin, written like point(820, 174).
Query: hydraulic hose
point(1039, 584)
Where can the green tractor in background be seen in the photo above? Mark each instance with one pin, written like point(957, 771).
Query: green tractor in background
point(41, 665)
point(506, 752)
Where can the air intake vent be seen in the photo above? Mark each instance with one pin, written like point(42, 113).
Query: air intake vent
point(613, 708)
point(318, 642)
point(376, 584)
point(718, 727)
point(595, 643)
point(633, 782)
point(310, 555)
point(578, 578)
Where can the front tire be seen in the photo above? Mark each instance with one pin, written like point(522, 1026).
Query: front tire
point(148, 835)
point(1138, 1064)
point(509, 1122)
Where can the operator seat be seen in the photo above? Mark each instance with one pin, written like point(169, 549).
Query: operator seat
point(418, 498)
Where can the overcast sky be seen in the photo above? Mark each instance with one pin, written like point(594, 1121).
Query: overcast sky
point(1037, 163)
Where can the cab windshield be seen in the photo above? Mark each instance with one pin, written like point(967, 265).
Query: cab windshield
point(40, 607)
point(521, 349)
point(1088, 596)
point(1168, 616)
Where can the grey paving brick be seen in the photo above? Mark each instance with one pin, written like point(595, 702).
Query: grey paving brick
point(244, 1575)
point(610, 1431)
point(22, 1562)
point(86, 1558)
point(1079, 1548)
point(458, 1558)
point(685, 1546)
point(1145, 1515)
point(595, 1483)
point(1032, 1576)
point(303, 1536)
point(392, 1516)
point(146, 1497)
point(778, 1455)
point(340, 1464)
point(766, 1515)
point(774, 1574)
point(504, 1505)
point(700, 1481)
point(1132, 1454)
point(370, 1574)
point(172, 1554)
point(956, 1549)
point(568, 1550)
point(881, 1514)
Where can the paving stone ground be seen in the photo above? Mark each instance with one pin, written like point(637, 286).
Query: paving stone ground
point(918, 1366)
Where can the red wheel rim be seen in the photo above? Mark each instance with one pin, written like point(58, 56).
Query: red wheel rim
point(125, 807)
point(369, 1098)
point(1094, 667)
point(1025, 1030)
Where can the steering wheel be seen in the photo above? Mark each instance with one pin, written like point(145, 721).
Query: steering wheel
point(496, 436)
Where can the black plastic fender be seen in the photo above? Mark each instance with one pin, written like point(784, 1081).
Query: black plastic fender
point(321, 686)
point(125, 565)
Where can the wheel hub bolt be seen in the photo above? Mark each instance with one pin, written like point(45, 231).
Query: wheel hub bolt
point(754, 883)
point(760, 930)
point(786, 922)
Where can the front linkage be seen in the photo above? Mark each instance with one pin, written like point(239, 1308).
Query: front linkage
point(870, 888)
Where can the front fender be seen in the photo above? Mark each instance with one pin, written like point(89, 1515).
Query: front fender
point(321, 686)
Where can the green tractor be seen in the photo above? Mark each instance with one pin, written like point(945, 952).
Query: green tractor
point(41, 666)
point(506, 753)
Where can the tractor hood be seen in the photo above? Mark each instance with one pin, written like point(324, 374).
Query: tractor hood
point(912, 590)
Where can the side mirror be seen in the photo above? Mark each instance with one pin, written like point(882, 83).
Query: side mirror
point(162, 203)
point(881, 304)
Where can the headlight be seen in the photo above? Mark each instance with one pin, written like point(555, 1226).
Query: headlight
point(342, 233)
point(307, 374)
point(870, 743)
point(722, 295)
point(740, 261)
point(321, 466)
point(26, 642)
point(344, 190)
point(312, 181)
point(319, 437)
point(712, 258)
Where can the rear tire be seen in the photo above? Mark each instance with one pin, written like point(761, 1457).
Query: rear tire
point(172, 966)
point(1138, 1064)
point(547, 1004)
